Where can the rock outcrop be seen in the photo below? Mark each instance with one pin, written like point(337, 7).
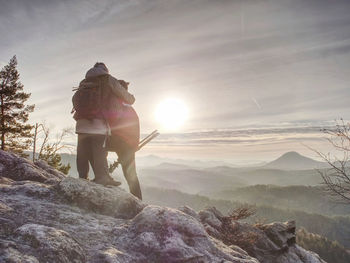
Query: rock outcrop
point(110, 201)
point(47, 217)
point(269, 243)
point(21, 169)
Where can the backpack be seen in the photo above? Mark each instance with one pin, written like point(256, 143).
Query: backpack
point(88, 100)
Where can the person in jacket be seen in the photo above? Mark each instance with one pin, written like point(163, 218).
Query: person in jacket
point(124, 140)
point(93, 131)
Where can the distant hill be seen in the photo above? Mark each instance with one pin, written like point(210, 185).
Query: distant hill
point(297, 197)
point(189, 180)
point(288, 161)
point(149, 161)
point(172, 166)
point(209, 180)
point(154, 160)
point(294, 161)
point(204, 180)
point(264, 175)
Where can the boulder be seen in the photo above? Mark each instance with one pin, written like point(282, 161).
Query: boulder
point(189, 211)
point(112, 255)
point(269, 243)
point(159, 234)
point(112, 201)
point(9, 253)
point(49, 244)
point(20, 169)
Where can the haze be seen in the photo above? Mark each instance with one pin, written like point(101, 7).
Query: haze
point(259, 77)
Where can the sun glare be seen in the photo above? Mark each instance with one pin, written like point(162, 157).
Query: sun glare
point(171, 114)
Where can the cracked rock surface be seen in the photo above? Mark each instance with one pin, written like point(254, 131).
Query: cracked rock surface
point(47, 217)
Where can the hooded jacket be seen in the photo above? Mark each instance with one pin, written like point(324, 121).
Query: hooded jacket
point(99, 126)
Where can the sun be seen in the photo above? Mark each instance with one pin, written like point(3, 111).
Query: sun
point(171, 113)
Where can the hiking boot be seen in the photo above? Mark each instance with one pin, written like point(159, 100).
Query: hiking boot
point(106, 181)
point(85, 179)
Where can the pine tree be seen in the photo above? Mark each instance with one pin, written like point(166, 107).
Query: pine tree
point(54, 159)
point(15, 132)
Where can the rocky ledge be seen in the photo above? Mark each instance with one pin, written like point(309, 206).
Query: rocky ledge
point(47, 217)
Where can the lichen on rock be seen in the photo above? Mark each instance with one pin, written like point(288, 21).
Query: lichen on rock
point(49, 244)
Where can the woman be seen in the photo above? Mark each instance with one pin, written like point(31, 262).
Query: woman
point(124, 139)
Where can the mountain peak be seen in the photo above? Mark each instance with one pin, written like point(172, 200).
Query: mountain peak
point(294, 161)
point(292, 154)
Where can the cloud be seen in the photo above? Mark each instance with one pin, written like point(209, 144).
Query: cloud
point(232, 61)
point(247, 136)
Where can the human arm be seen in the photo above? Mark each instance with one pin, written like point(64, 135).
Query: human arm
point(119, 91)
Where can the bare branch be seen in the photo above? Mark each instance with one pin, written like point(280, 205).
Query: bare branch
point(337, 178)
point(242, 212)
point(45, 140)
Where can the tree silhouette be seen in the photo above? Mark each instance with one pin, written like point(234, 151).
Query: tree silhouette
point(15, 132)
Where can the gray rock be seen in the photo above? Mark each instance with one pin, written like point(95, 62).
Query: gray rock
point(280, 242)
point(49, 244)
point(21, 169)
point(281, 234)
point(10, 254)
point(43, 165)
point(28, 188)
point(112, 255)
point(5, 180)
point(159, 234)
point(212, 217)
point(7, 226)
point(271, 243)
point(112, 201)
point(189, 211)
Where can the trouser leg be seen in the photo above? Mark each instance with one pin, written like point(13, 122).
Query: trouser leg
point(99, 157)
point(127, 160)
point(83, 155)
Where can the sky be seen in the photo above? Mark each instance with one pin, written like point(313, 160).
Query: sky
point(259, 77)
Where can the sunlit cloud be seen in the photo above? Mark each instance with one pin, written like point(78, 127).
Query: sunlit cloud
point(234, 63)
point(241, 136)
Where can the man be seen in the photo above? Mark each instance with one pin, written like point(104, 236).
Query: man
point(124, 140)
point(91, 102)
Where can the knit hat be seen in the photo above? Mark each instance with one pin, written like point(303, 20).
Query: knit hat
point(102, 66)
point(99, 69)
